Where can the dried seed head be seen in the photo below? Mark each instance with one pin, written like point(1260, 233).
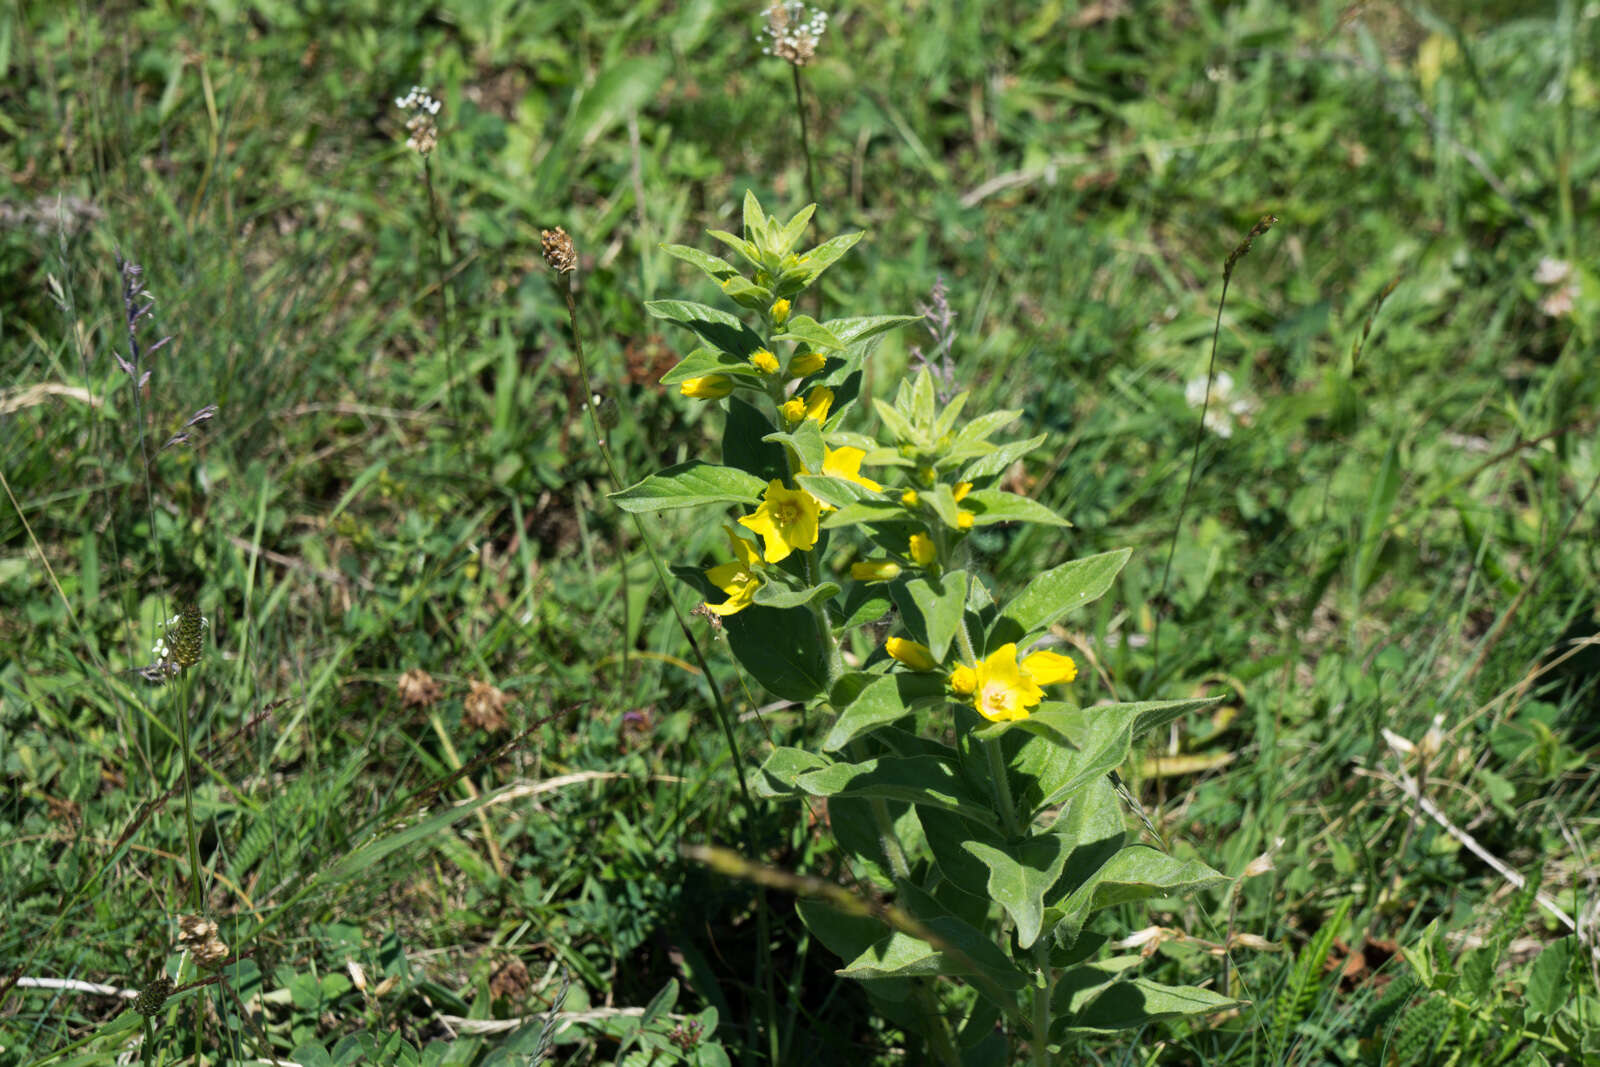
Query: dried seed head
point(417, 689)
point(198, 936)
point(485, 707)
point(559, 251)
point(151, 998)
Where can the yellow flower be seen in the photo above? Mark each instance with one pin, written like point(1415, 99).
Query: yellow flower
point(1002, 689)
point(804, 363)
point(764, 361)
point(909, 498)
point(815, 406)
point(846, 463)
point(785, 521)
point(922, 549)
point(874, 570)
point(780, 312)
point(710, 387)
point(738, 579)
point(961, 490)
point(964, 520)
point(917, 657)
point(1048, 668)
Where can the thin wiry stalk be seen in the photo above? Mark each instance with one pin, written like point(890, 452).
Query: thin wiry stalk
point(1266, 223)
point(444, 304)
point(805, 140)
point(724, 716)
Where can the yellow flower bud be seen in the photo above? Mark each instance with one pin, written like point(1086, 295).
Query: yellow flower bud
point(964, 679)
point(710, 387)
point(964, 520)
point(922, 549)
point(793, 410)
point(961, 490)
point(874, 570)
point(925, 475)
point(917, 657)
point(909, 498)
point(764, 361)
point(805, 363)
point(780, 312)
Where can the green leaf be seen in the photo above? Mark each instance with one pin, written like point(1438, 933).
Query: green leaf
point(991, 506)
point(1020, 873)
point(898, 424)
point(813, 263)
point(857, 330)
point(755, 220)
point(704, 361)
point(865, 510)
point(866, 602)
point(772, 595)
point(806, 440)
point(804, 328)
point(718, 268)
point(932, 607)
point(921, 780)
point(781, 649)
point(1065, 722)
point(1055, 592)
point(691, 485)
point(1000, 460)
point(900, 955)
point(1550, 980)
point(835, 492)
point(1139, 1002)
point(885, 699)
point(716, 328)
point(779, 771)
point(744, 443)
point(783, 241)
point(751, 254)
point(1138, 872)
point(848, 936)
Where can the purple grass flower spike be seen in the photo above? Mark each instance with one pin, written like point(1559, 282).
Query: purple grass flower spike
point(942, 327)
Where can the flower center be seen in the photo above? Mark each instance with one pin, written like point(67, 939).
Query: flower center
point(786, 514)
point(997, 697)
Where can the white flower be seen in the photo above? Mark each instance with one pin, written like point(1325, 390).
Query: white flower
point(793, 31)
point(1224, 408)
point(1552, 271)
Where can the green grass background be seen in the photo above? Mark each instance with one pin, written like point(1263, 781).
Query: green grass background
point(1401, 530)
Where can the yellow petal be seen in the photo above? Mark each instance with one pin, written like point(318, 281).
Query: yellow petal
point(764, 361)
point(1049, 668)
point(805, 363)
point(874, 570)
point(846, 463)
point(922, 549)
point(964, 679)
point(709, 387)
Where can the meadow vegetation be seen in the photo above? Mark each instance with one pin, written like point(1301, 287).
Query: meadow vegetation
point(314, 583)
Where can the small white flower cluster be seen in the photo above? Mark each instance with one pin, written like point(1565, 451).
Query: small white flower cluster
point(423, 130)
point(793, 30)
point(1224, 408)
point(1561, 288)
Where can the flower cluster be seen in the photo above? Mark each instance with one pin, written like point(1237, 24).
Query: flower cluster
point(1560, 287)
point(793, 31)
point(421, 126)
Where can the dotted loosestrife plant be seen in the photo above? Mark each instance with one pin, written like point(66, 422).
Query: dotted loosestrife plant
point(961, 776)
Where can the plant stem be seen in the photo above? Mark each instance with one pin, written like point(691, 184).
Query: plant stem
point(723, 715)
point(805, 140)
point(184, 691)
point(444, 305)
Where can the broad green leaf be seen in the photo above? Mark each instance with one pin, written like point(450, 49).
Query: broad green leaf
point(1000, 460)
point(1020, 873)
point(704, 361)
point(811, 264)
point(1077, 986)
point(806, 440)
point(1065, 722)
point(946, 419)
point(746, 293)
point(866, 602)
point(835, 492)
point(1139, 1002)
point(900, 955)
point(1095, 823)
point(932, 607)
point(1055, 592)
point(991, 506)
point(716, 328)
point(848, 936)
point(779, 771)
point(855, 829)
point(1139, 871)
point(978, 430)
point(922, 410)
point(883, 700)
point(1550, 979)
point(804, 328)
point(718, 268)
point(691, 485)
point(773, 595)
point(755, 220)
point(744, 443)
point(922, 780)
point(897, 424)
point(781, 649)
point(878, 510)
point(751, 254)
